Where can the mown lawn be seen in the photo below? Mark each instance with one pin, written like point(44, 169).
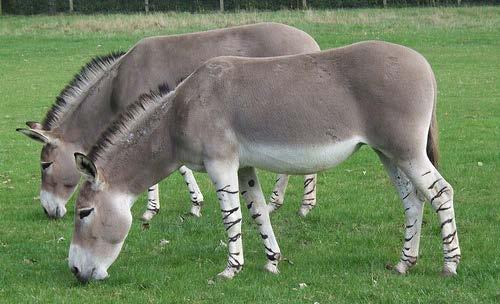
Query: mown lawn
point(340, 250)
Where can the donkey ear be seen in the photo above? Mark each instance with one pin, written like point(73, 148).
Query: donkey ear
point(34, 125)
point(38, 135)
point(86, 166)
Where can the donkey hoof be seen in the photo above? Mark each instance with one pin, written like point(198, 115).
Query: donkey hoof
point(228, 273)
point(270, 267)
point(148, 215)
point(303, 211)
point(449, 271)
point(401, 268)
point(196, 211)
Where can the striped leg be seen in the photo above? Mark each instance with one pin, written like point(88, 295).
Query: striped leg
point(256, 203)
point(153, 206)
point(439, 192)
point(309, 198)
point(413, 206)
point(225, 178)
point(194, 191)
point(278, 194)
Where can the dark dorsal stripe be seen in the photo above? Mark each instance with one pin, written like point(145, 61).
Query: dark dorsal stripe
point(126, 120)
point(66, 98)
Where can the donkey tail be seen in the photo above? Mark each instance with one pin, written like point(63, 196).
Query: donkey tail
point(432, 137)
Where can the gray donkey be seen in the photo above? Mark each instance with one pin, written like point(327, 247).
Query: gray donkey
point(293, 114)
point(107, 85)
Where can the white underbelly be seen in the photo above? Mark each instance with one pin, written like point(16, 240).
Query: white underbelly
point(301, 159)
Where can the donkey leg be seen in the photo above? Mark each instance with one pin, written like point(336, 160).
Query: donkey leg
point(309, 198)
point(194, 191)
point(225, 178)
point(252, 192)
point(278, 195)
point(439, 192)
point(153, 206)
point(413, 206)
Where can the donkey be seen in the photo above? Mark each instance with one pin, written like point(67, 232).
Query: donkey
point(107, 85)
point(293, 114)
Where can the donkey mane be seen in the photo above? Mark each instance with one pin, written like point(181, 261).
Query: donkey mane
point(127, 120)
point(81, 82)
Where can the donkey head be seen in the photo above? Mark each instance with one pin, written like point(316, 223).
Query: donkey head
point(102, 222)
point(59, 174)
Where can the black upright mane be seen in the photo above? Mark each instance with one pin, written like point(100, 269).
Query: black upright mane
point(66, 99)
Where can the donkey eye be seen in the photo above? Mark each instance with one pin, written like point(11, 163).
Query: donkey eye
point(45, 165)
point(85, 212)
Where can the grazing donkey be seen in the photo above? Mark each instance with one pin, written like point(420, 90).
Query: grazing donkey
point(107, 85)
point(293, 114)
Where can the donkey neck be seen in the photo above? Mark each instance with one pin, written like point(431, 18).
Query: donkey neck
point(96, 109)
point(137, 151)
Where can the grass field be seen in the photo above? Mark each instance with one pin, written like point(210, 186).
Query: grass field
point(340, 250)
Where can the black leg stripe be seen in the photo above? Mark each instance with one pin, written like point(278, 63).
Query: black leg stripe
point(256, 215)
point(440, 208)
point(229, 212)
point(409, 226)
point(456, 256)
point(271, 257)
point(451, 250)
point(224, 189)
point(446, 222)
point(231, 224)
point(450, 235)
point(412, 262)
point(234, 238)
point(233, 262)
point(409, 256)
point(440, 192)
point(309, 192)
point(434, 183)
point(307, 182)
point(411, 237)
point(407, 196)
point(196, 203)
point(449, 238)
point(268, 249)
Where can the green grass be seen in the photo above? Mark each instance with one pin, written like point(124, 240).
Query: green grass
point(339, 250)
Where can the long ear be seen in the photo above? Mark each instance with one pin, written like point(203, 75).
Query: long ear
point(38, 135)
point(86, 166)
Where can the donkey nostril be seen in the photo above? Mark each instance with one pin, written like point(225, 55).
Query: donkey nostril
point(74, 270)
point(45, 210)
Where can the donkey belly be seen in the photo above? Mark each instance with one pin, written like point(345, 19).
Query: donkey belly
point(297, 159)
